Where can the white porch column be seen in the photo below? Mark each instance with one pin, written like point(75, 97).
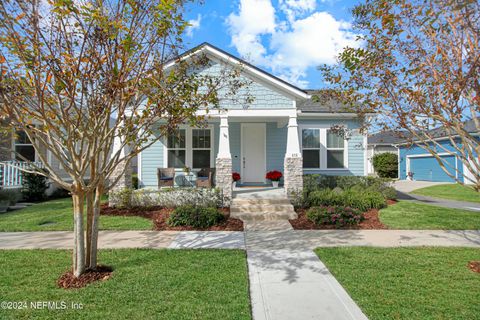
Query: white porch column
point(121, 170)
point(224, 141)
point(223, 162)
point(293, 165)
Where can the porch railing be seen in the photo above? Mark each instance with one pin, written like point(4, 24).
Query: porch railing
point(11, 172)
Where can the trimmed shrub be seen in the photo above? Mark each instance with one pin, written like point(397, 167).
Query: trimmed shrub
point(355, 197)
point(335, 215)
point(34, 186)
point(363, 200)
point(198, 217)
point(168, 198)
point(10, 195)
point(325, 197)
point(386, 165)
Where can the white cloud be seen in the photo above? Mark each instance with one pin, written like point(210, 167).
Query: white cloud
point(193, 25)
point(293, 8)
point(255, 18)
point(289, 47)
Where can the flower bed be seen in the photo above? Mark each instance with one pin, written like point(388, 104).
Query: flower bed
point(167, 198)
point(160, 216)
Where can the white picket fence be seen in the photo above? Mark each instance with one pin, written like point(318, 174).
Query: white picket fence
point(11, 172)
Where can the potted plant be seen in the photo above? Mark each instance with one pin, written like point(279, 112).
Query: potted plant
point(275, 177)
point(235, 177)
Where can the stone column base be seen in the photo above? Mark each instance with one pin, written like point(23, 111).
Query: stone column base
point(223, 178)
point(124, 182)
point(293, 176)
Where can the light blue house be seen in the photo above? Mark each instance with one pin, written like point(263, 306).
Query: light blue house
point(281, 129)
point(417, 163)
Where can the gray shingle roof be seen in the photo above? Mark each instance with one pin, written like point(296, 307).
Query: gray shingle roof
point(386, 137)
point(322, 106)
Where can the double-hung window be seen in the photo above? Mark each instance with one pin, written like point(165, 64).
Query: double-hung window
point(323, 149)
point(311, 148)
point(335, 151)
point(201, 148)
point(177, 149)
point(190, 147)
point(24, 150)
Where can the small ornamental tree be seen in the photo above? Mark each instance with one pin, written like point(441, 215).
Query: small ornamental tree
point(77, 76)
point(418, 69)
point(386, 165)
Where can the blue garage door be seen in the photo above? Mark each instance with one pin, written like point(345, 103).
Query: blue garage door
point(428, 169)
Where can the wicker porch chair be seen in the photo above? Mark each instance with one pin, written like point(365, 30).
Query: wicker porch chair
point(205, 178)
point(165, 177)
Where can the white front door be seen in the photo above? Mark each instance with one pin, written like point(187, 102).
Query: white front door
point(253, 152)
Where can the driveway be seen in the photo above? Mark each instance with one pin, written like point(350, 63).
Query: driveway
point(406, 186)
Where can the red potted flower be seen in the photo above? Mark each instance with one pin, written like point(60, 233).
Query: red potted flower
point(235, 177)
point(275, 177)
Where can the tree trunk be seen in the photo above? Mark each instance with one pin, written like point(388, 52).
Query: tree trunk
point(92, 262)
point(89, 202)
point(78, 232)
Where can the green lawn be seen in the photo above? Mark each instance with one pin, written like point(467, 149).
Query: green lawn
point(408, 283)
point(55, 215)
point(146, 284)
point(450, 191)
point(413, 215)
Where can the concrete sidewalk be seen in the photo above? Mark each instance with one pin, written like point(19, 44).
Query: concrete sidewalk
point(251, 240)
point(287, 280)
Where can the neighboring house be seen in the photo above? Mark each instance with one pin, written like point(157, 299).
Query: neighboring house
point(417, 160)
point(282, 129)
point(15, 148)
point(381, 142)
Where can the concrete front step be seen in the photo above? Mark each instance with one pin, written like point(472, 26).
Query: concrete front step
point(272, 208)
point(250, 201)
point(252, 209)
point(259, 216)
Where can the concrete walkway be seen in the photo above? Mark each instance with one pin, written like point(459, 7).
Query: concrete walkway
point(296, 285)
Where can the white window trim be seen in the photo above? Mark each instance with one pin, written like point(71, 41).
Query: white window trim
point(189, 147)
point(323, 148)
point(14, 144)
point(344, 148)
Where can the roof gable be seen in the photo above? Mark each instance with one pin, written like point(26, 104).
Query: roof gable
point(247, 67)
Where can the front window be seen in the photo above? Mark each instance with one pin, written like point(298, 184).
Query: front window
point(176, 149)
point(190, 148)
point(311, 148)
point(322, 149)
point(335, 150)
point(201, 148)
point(24, 150)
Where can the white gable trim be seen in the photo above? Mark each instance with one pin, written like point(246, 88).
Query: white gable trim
point(253, 71)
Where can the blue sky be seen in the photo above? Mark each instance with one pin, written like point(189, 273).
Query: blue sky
point(288, 38)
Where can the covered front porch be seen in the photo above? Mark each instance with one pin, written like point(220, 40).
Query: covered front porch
point(248, 142)
point(254, 144)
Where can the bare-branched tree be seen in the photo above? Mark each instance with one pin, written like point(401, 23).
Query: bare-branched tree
point(418, 70)
point(79, 75)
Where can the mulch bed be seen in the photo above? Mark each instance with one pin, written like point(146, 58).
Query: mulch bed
point(159, 216)
point(474, 266)
point(69, 281)
point(371, 221)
